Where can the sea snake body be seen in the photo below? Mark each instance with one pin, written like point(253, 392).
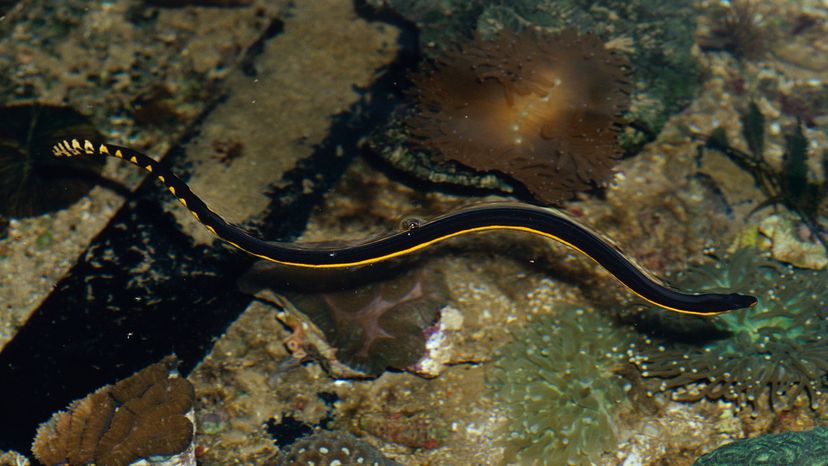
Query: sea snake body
point(546, 222)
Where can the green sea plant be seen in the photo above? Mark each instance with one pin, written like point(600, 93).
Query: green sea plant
point(801, 448)
point(557, 383)
point(793, 186)
point(765, 356)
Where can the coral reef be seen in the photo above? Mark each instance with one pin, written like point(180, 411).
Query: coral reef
point(32, 181)
point(146, 415)
point(810, 447)
point(557, 382)
point(773, 352)
point(333, 448)
point(380, 324)
point(543, 109)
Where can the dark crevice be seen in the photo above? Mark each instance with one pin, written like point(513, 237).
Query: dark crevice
point(248, 63)
point(143, 289)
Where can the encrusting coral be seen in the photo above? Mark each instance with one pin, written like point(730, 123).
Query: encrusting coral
point(333, 448)
point(145, 415)
point(557, 382)
point(776, 350)
point(543, 109)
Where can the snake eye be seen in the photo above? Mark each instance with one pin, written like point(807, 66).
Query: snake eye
point(410, 223)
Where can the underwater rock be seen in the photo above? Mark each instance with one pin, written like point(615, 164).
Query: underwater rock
point(788, 244)
point(557, 383)
point(765, 356)
point(440, 344)
point(181, 3)
point(805, 448)
point(417, 430)
point(333, 448)
point(32, 181)
point(540, 108)
point(145, 416)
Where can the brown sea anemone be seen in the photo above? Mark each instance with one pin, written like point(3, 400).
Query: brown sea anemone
point(543, 109)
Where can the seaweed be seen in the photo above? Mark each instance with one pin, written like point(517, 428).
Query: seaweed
point(792, 186)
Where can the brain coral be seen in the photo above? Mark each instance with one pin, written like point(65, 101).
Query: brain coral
point(141, 416)
point(543, 109)
point(776, 350)
point(800, 448)
point(557, 383)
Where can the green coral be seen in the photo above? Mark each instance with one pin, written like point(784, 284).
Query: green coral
point(805, 448)
point(557, 383)
point(776, 350)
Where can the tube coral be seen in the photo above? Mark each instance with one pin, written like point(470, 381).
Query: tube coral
point(542, 109)
point(775, 351)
